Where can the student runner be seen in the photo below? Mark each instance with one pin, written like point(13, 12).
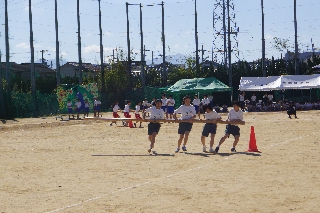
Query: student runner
point(126, 114)
point(187, 114)
point(235, 117)
point(154, 127)
point(210, 114)
point(115, 109)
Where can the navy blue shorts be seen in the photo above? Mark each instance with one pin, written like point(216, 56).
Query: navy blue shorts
point(184, 127)
point(97, 108)
point(209, 128)
point(164, 108)
point(170, 109)
point(153, 128)
point(69, 110)
point(232, 130)
point(86, 109)
point(196, 107)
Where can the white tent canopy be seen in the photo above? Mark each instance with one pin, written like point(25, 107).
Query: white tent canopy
point(279, 82)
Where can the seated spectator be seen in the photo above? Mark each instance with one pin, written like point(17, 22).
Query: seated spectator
point(224, 108)
point(217, 108)
point(250, 108)
point(277, 106)
point(258, 107)
point(309, 105)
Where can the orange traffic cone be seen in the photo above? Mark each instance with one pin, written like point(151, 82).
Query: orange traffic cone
point(130, 122)
point(253, 143)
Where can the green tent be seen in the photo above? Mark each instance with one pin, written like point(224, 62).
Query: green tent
point(207, 85)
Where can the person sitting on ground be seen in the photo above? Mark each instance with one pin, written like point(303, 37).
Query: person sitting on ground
point(292, 110)
point(217, 108)
point(224, 108)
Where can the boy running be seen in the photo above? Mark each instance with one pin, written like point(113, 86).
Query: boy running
point(187, 114)
point(154, 127)
point(115, 109)
point(212, 115)
point(235, 118)
point(126, 112)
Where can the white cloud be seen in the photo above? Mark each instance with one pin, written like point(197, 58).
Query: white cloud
point(63, 53)
point(108, 34)
point(91, 49)
point(23, 45)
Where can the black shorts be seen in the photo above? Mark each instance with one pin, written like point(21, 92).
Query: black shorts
point(209, 128)
point(184, 127)
point(232, 130)
point(204, 108)
point(153, 127)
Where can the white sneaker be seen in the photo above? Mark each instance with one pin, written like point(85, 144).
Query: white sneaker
point(204, 149)
point(211, 150)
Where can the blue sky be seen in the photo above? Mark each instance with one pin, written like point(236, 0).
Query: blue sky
point(179, 27)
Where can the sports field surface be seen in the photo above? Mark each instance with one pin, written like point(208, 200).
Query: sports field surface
point(90, 166)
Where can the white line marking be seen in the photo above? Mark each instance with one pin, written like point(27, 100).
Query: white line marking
point(158, 179)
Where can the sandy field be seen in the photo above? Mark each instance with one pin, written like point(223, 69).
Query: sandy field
point(90, 166)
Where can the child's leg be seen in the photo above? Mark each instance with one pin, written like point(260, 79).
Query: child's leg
point(236, 140)
point(153, 140)
point(203, 140)
point(180, 140)
point(186, 136)
point(212, 140)
point(223, 139)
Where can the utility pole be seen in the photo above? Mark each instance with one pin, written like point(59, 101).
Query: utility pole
point(57, 44)
point(229, 50)
point(103, 84)
point(8, 72)
point(264, 73)
point(42, 59)
point(163, 48)
point(79, 43)
point(296, 53)
point(225, 51)
point(142, 52)
point(2, 112)
point(196, 38)
point(33, 75)
point(152, 56)
point(128, 43)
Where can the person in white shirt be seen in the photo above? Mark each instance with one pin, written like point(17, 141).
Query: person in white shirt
point(205, 103)
point(209, 128)
point(78, 105)
point(126, 113)
point(270, 98)
point(170, 109)
point(69, 106)
point(241, 99)
point(235, 117)
point(154, 126)
point(96, 106)
point(145, 104)
point(137, 114)
point(115, 109)
point(86, 108)
point(196, 103)
point(164, 101)
point(188, 113)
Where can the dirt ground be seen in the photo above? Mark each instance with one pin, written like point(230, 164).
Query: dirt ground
point(90, 166)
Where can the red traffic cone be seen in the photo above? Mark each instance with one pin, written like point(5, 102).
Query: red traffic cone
point(130, 122)
point(253, 143)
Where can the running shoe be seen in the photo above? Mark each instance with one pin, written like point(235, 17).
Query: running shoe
point(217, 149)
point(184, 148)
point(211, 150)
point(233, 150)
point(177, 150)
point(204, 149)
point(149, 150)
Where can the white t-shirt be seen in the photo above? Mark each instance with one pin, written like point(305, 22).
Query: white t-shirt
point(155, 113)
point(241, 97)
point(270, 97)
point(86, 105)
point(164, 101)
point(205, 101)
point(78, 104)
point(137, 109)
point(253, 98)
point(96, 102)
point(186, 112)
point(233, 115)
point(115, 108)
point(196, 102)
point(171, 102)
point(126, 108)
point(69, 105)
point(210, 97)
point(212, 115)
point(145, 103)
